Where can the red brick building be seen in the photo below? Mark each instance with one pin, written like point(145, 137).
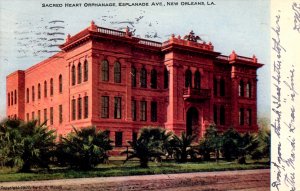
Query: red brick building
point(115, 81)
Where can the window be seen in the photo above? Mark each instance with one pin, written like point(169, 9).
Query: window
point(143, 78)
point(241, 116)
point(153, 82)
point(153, 111)
point(45, 116)
point(27, 116)
point(241, 88)
point(215, 87)
point(117, 108)
point(8, 99)
point(33, 94)
point(104, 107)
point(133, 110)
point(79, 108)
point(51, 87)
point(222, 115)
point(60, 112)
point(73, 106)
point(39, 117)
point(188, 78)
point(215, 114)
point(248, 90)
point(60, 84)
point(222, 87)
point(51, 115)
point(197, 80)
point(32, 115)
point(27, 95)
point(117, 72)
point(73, 71)
point(79, 73)
point(15, 96)
point(133, 76)
point(118, 139)
point(134, 136)
point(105, 71)
point(86, 71)
point(86, 107)
point(12, 98)
point(249, 117)
point(143, 111)
point(166, 78)
point(45, 88)
point(39, 91)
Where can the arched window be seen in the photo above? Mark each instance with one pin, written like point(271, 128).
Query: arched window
point(133, 76)
point(241, 116)
point(73, 75)
point(27, 95)
point(222, 87)
point(39, 91)
point(79, 73)
point(86, 71)
point(166, 78)
point(117, 72)
point(45, 88)
point(241, 88)
point(215, 87)
point(222, 115)
point(143, 78)
point(51, 86)
point(248, 90)
point(12, 98)
point(15, 96)
point(188, 78)
point(60, 83)
point(33, 93)
point(215, 114)
point(8, 99)
point(197, 80)
point(105, 71)
point(153, 82)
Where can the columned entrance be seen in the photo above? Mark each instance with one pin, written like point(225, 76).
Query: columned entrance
point(192, 121)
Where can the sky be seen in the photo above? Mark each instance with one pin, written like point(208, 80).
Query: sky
point(240, 25)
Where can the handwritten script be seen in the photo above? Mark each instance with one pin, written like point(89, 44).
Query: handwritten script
point(283, 104)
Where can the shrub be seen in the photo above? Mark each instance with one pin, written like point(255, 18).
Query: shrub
point(84, 148)
point(150, 144)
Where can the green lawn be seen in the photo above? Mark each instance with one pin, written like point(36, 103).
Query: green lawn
point(117, 168)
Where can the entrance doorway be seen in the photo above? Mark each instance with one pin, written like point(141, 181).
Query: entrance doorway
point(192, 121)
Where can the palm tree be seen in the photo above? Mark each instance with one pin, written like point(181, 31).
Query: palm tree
point(183, 146)
point(261, 144)
point(150, 144)
point(26, 144)
point(84, 148)
point(38, 145)
point(11, 143)
point(213, 139)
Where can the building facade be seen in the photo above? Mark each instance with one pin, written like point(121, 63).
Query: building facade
point(115, 81)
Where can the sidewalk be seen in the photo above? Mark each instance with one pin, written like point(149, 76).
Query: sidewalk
point(225, 180)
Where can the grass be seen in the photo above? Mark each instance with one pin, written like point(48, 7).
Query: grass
point(117, 168)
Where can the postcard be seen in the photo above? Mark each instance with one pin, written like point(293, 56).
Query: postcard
point(185, 66)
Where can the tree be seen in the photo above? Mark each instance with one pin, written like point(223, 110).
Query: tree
point(84, 148)
point(150, 144)
point(211, 142)
point(261, 144)
point(11, 143)
point(230, 146)
point(38, 145)
point(183, 146)
point(29, 144)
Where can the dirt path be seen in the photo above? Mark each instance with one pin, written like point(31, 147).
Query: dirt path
point(242, 180)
